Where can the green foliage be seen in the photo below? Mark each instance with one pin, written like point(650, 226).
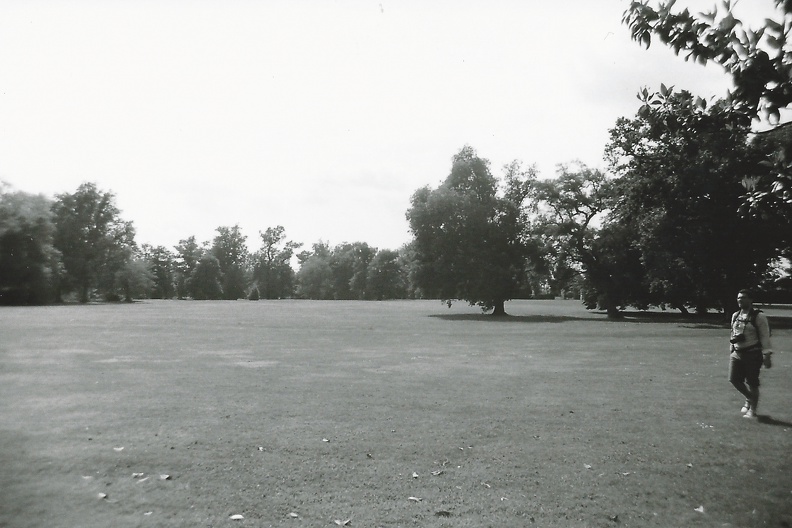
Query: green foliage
point(614, 275)
point(469, 243)
point(349, 266)
point(188, 254)
point(95, 243)
point(254, 294)
point(205, 280)
point(136, 279)
point(29, 264)
point(681, 165)
point(386, 277)
point(338, 273)
point(231, 252)
point(272, 271)
point(162, 264)
point(568, 210)
point(315, 277)
point(770, 185)
point(759, 62)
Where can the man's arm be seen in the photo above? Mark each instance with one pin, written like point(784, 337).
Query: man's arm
point(763, 330)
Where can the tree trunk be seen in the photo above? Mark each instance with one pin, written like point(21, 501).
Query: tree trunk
point(499, 308)
point(84, 293)
point(614, 312)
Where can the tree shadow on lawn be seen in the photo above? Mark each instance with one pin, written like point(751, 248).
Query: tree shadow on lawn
point(510, 318)
point(710, 321)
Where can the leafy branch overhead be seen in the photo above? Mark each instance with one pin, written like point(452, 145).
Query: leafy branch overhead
point(760, 64)
point(759, 60)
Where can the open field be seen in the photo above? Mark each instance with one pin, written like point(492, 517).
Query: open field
point(402, 413)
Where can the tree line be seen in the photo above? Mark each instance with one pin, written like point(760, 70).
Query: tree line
point(78, 247)
point(693, 206)
point(670, 224)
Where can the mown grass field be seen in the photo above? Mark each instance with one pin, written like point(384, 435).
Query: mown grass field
point(386, 414)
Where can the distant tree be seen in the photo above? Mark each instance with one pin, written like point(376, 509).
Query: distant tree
point(95, 243)
point(386, 279)
point(349, 267)
point(273, 275)
point(680, 165)
point(568, 208)
point(162, 264)
point(29, 264)
point(315, 277)
point(614, 275)
point(470, 243)
point(188, 255)
point(230, 250)
point(204, 284)
point(136, 279)
point(409, 264)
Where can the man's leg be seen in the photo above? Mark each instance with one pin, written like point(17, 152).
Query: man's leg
point(737, 377)
point(752, 366)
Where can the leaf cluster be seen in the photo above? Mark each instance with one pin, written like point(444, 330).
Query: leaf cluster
point(759, 60)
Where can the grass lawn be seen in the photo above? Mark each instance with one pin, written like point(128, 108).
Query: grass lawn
point(386, 414)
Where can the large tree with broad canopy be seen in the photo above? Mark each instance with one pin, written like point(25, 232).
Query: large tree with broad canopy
point(469, 236)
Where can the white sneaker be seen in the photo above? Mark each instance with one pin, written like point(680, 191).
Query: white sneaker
point(746, 407)
point(749, 414)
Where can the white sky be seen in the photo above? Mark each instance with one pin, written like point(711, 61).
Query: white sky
point(321, 116)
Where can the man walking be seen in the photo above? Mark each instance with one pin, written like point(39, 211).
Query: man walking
point(750, 348)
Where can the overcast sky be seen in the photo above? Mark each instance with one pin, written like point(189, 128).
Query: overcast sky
point(321, 116)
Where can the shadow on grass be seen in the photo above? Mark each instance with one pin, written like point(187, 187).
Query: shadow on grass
point(769, 420)
point(510, 318)
point(713, 321)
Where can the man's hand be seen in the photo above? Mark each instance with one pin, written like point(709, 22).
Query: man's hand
point(768, 361)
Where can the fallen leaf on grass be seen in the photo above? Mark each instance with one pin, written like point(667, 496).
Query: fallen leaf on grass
point(504, 499)
point(443, 513)
point(485, 484)
point(293, 515)
point(143, 479)
point(325, 440)
point(414, 475)
point(342, 523)
point(587, 466)
point(148, 513)
point(137, 475)
point(690, 465)
point(118, 449)
point(237, 517)
point(625, 473)
point(165, 477)
point(101, 495)
point(416, 499)
point(438, 472)
point(700, 509)
point(261, 448)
